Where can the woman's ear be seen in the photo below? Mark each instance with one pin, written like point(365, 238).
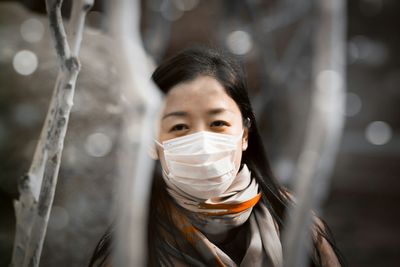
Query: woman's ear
point(245, 138)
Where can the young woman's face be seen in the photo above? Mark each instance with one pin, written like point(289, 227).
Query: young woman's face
point(201, 105)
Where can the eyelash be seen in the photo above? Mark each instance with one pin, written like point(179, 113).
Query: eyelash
point(223, 123)
point(175, 127)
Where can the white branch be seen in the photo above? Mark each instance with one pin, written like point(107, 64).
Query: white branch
point(140, 101)
point(77, 24)
point(324, 129)
point(33, 209)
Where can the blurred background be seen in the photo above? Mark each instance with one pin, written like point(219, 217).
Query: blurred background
point(274, 40)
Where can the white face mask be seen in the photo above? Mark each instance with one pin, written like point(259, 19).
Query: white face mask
point(201, 164)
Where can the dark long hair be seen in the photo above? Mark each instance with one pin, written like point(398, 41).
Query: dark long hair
point(183, 67)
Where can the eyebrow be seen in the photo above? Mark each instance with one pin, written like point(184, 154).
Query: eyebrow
point(175, 113)
point(214, 111)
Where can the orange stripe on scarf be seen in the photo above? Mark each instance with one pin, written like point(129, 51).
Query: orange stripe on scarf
point(229, 208)
point(192, 235)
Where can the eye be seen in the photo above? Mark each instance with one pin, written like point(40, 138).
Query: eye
point(179, 127)
point(219, 123)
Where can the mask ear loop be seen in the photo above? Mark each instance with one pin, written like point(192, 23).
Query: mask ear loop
point(152, 149)
point(152, 152)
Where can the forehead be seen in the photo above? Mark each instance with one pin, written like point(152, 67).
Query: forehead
point(202, 93)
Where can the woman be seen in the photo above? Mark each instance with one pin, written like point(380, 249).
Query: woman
point(214, 200)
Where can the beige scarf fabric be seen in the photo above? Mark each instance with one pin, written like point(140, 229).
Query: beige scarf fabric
point(196, 218)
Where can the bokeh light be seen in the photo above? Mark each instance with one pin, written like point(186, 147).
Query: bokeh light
point(239, 42)
point(170, 12)
point(353, 104)
point(378, 133)
point(365, 50)
point(32, 30)
point(25, 62)
point(98, 145)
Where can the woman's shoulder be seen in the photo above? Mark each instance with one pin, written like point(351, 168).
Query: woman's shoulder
point(325, 249)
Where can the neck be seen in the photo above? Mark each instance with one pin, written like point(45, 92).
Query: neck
point(233, 242)
point(223, 237)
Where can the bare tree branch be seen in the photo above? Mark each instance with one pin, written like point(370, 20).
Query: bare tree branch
point(77, 24)
point(140, 101)
point(274, 69)
point(157, 34)
point(53, 8)
point(284, 14)
point(33, 209)
point(324, 129)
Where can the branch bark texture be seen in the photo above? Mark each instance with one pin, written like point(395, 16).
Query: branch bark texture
point(38, 186)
